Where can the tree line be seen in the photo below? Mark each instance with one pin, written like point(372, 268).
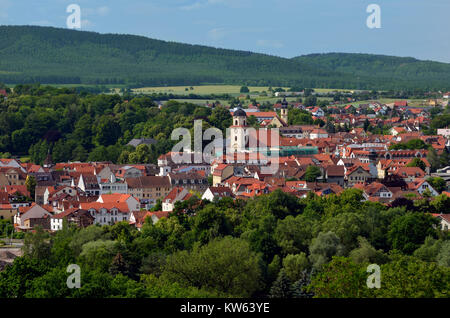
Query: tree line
point(75, 125)
point(275, 245)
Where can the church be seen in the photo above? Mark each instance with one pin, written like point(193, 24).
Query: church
point(246, 139)
point(269, 119)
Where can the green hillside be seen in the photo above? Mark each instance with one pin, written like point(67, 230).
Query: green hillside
point(62, 56)
point(408, 70)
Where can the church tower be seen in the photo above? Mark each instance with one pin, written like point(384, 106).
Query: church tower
point(239, 132)
point(284, 111)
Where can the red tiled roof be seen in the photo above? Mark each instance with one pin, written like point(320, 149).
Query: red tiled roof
point(121, 206)
point(221, 191)
point(173, 194)
point(115, 197)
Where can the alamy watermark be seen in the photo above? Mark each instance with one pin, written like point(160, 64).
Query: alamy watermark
point(374, 279)
point(243, 145)
point(374, 19)
point(74, 280)
point(74, 19)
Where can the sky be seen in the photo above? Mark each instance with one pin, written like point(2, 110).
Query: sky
point(287, 28)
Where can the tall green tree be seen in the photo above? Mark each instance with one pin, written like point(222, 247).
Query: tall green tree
point(226, 265)
point(417, 225)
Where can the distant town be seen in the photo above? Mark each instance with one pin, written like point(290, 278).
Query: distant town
point(322, 159)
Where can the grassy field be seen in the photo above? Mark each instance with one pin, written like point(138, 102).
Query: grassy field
point(201, 90)
point(213, 89)
point(233, 90)
point(328, 90)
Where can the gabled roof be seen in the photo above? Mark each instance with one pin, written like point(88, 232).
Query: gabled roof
point(148, 182)
point(414, 185)
point(257, 114)
point(221, 191)
point(121, 206)
point(355, 167)
point(16, 189)
point(173, 194)
point(335, 171)
point(405, 172)
point(372, 188)
point(70, 212)
point(114, 197)
point(140, 216)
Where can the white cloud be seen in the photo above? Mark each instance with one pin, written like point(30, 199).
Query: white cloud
point(100, 11)
point(205, 3)
point(270, 43)
point(217, 33)
point(195, 5)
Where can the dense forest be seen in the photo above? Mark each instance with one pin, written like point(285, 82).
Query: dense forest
point(30, 54)
point(405, 70)
point(81, 126)
point(274, 245)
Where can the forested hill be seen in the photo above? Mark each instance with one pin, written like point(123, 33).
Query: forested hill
point(406, 69)
point(54, 55)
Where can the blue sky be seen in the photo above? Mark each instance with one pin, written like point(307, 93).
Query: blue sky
point(417, 28)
